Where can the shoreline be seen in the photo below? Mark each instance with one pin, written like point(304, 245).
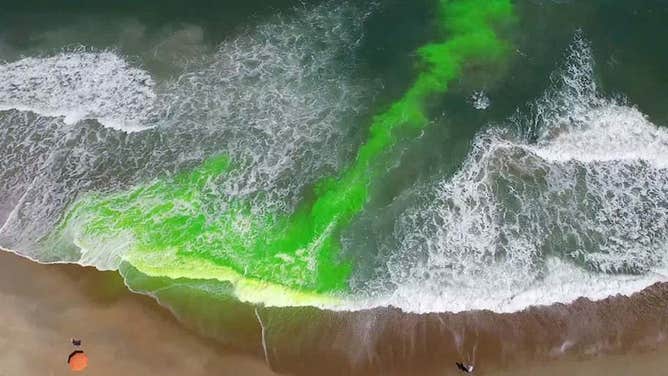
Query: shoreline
point(46, 304)
point(335, 308)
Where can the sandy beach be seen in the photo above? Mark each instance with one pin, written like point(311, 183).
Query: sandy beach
point(43, 306)
point(654, 363)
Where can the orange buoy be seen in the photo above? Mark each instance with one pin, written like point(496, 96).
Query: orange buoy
point(77, 360)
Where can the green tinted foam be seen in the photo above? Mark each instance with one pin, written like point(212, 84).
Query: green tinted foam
point(178, 227)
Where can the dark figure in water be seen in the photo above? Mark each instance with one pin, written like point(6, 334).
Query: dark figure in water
point(76, 342)
point(466, 368)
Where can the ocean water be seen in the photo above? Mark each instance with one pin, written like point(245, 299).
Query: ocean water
point(431, 156)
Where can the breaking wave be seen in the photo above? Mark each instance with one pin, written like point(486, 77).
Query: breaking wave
point(278, 99)
point(567, 200)
point(79, 85)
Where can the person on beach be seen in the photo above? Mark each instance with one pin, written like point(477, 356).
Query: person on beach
point(466, 368)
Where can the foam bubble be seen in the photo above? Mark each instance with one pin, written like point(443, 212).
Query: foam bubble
point(79, 85)
point(480, 100)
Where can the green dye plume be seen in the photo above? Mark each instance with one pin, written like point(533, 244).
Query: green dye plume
point(176, 227)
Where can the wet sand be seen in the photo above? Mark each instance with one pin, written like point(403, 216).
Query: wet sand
point(560, 338)
point(653, 363)
point(42, 306)
point(616, 336)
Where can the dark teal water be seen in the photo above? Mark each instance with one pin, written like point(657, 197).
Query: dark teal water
point(625, 35)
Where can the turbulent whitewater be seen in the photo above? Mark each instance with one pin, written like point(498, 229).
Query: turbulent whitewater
point(79, 85)
point(566, 199)
point(247, 171)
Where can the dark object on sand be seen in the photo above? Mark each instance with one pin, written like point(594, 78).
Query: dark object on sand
point(76, 342)
point(466, 368)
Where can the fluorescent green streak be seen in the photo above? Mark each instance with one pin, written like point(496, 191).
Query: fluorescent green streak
point(180, 217)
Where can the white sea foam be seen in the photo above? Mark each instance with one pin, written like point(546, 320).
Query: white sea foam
point(283, 97)
point(79, 85)
point(562, 283)
point(579, 210)
point(612, 133)
point(278, 98)
point(480, 100)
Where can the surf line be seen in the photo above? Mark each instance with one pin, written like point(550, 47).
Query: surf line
point(298, 253)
